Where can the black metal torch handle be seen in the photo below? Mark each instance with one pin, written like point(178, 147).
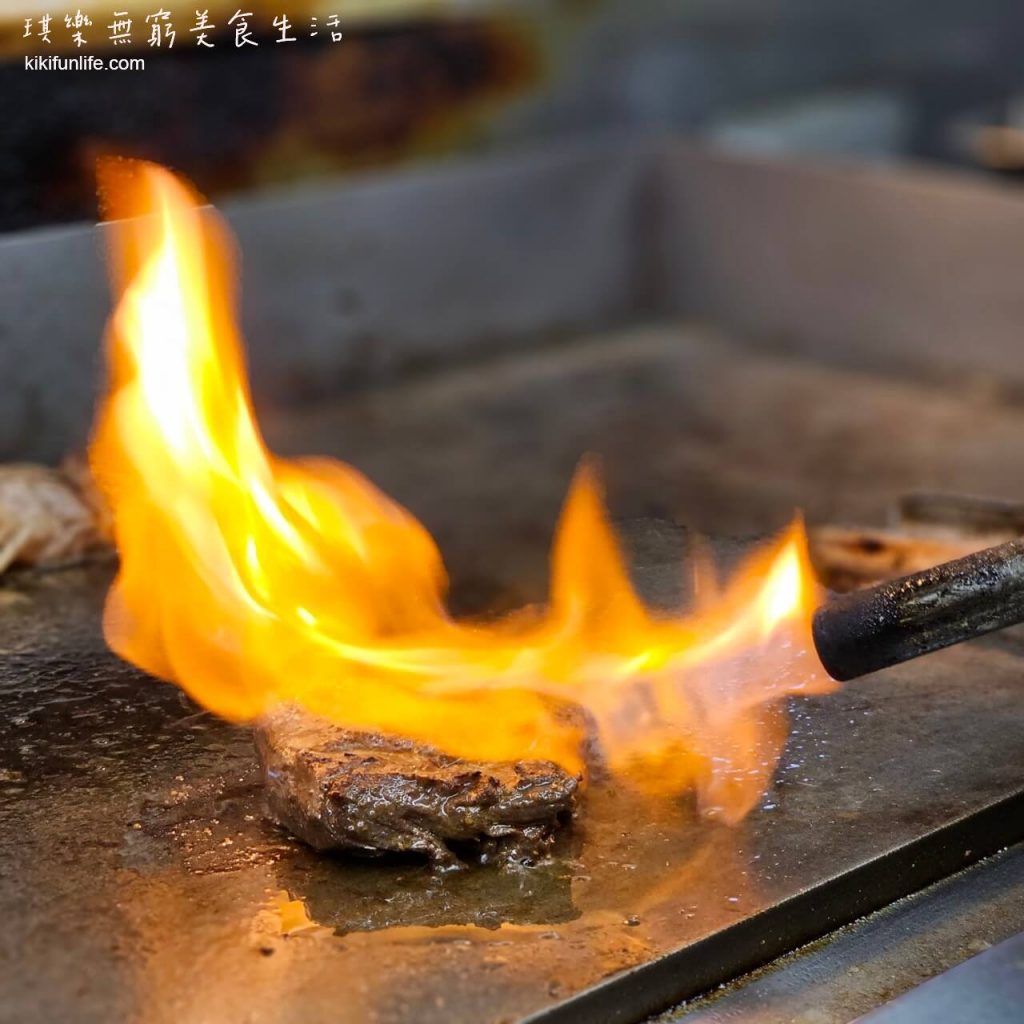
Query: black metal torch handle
point(868, 630)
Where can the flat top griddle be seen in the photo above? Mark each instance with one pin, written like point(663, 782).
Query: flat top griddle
point(139, 880)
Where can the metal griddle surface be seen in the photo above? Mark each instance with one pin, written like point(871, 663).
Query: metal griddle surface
point(138, 880)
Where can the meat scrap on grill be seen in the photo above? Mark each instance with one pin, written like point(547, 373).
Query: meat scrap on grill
point(49, 516)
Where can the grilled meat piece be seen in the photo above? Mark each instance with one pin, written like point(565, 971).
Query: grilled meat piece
point(371, 794)
point(45, 517)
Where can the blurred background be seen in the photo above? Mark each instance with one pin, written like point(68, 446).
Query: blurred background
point(423, 80)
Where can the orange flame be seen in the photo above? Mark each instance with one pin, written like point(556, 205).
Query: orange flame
point(251, 580)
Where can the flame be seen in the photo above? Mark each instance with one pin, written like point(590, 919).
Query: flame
point(251, 580)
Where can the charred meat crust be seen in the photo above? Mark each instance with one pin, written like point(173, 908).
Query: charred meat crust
point(366, 793)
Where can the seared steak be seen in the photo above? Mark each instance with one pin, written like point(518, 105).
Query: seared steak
point(366, 793)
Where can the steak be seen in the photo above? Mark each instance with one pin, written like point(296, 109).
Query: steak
point(371, 794)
